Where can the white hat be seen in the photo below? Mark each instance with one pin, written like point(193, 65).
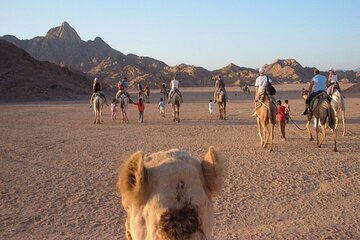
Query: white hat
point(95, 79)
point(331, 69)
point(261, 70)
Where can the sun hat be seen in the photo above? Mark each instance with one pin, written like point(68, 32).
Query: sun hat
point(261, 70)
point(331, 69)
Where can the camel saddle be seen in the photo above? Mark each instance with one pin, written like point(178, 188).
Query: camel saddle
point(318, 100)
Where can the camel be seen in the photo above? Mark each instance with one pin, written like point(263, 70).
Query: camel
point(168, 194)
point(175, 102)
point(322, 110)
point(124, 101)
point(338, 104)
point(245, 89)
point(265, 116)
point(98, 104)
point(147, 94)
point(221, 101)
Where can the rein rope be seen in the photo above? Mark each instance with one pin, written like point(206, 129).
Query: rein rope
point(302, 129)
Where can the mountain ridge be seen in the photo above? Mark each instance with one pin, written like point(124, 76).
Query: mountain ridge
point(63, 46)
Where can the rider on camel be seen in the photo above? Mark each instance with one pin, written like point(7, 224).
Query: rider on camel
point(97, 88)
point(333, 83)
point(318, 82)
point(174, 84)
point(261, 87)
point(122, 87)
point(219, 86)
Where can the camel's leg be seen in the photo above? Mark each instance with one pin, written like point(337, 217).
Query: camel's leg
point(271, 136)
point(174, 113)
point(95, 116)
point(266, 133)
point(101, 112)
point(336, 119)
point(323, 135)
point(334, 137)
point(343, 121)
point(309, 130)
point(225, 110)
point(318, 126)
point(259, 131)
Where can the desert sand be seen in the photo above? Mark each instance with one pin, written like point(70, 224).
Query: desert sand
point(58, 170)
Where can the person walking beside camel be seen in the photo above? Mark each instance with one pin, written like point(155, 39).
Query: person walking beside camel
point(141, 108)
point(281, 119)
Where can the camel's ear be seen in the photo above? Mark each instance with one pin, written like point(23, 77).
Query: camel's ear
point(212, 167)
point(131, 182)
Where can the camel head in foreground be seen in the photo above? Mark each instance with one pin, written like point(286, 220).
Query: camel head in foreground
point(168, 194)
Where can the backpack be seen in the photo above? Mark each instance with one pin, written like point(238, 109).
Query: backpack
point(271, 89)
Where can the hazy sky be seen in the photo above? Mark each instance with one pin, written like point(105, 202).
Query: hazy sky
point(208, 33)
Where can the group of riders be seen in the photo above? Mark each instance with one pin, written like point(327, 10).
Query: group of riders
point(318, 84)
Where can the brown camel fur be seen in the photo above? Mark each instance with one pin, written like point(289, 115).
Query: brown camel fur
point(338, 104)
point(175, 103)
point(147, 94)
point(221, 101)
point(322, 111)
point(168, 194)
point(123, 99)
point(98, 104)
point(266, 116)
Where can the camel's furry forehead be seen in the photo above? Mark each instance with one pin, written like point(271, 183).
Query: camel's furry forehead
point(170, 156)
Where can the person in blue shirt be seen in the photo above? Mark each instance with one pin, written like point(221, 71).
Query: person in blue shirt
point(318, 82)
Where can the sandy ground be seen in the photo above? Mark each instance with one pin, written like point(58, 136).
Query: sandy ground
point(58, 170)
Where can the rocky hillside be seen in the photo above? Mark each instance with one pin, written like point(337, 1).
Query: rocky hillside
point(24, 78)
point(63, 46)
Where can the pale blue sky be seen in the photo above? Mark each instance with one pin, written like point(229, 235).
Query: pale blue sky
point(203, 33)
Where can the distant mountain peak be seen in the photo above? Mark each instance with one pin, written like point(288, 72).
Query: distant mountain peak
point(287, 62)
point(64, 32)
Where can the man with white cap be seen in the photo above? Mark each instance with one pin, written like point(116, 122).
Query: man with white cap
point(261, 83)
point(261, 86)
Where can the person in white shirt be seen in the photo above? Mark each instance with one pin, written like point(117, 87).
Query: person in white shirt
point(211, 108)
point(261, 88)
point(174, 84)
point(332, 82)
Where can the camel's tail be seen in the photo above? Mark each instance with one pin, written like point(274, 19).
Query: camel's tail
point(331, 118)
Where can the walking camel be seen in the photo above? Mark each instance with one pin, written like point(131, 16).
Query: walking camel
point(266, 119)
point(98, 104)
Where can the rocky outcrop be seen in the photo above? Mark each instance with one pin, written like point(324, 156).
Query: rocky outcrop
point(24, 78)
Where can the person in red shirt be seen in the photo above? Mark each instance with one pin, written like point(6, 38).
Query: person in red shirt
point(281, 115)
point(141, 108)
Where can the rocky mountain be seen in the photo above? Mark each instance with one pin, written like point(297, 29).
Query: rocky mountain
point(24, 78)
point(63, 46)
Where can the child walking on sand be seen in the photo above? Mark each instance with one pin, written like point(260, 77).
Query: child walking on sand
point(162, 107)
point(113, 109)
point(281, 119)
point(211, 107)
point(141, 108)
point(287, 110)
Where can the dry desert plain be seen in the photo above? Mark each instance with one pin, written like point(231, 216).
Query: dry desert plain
point(59, 170)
